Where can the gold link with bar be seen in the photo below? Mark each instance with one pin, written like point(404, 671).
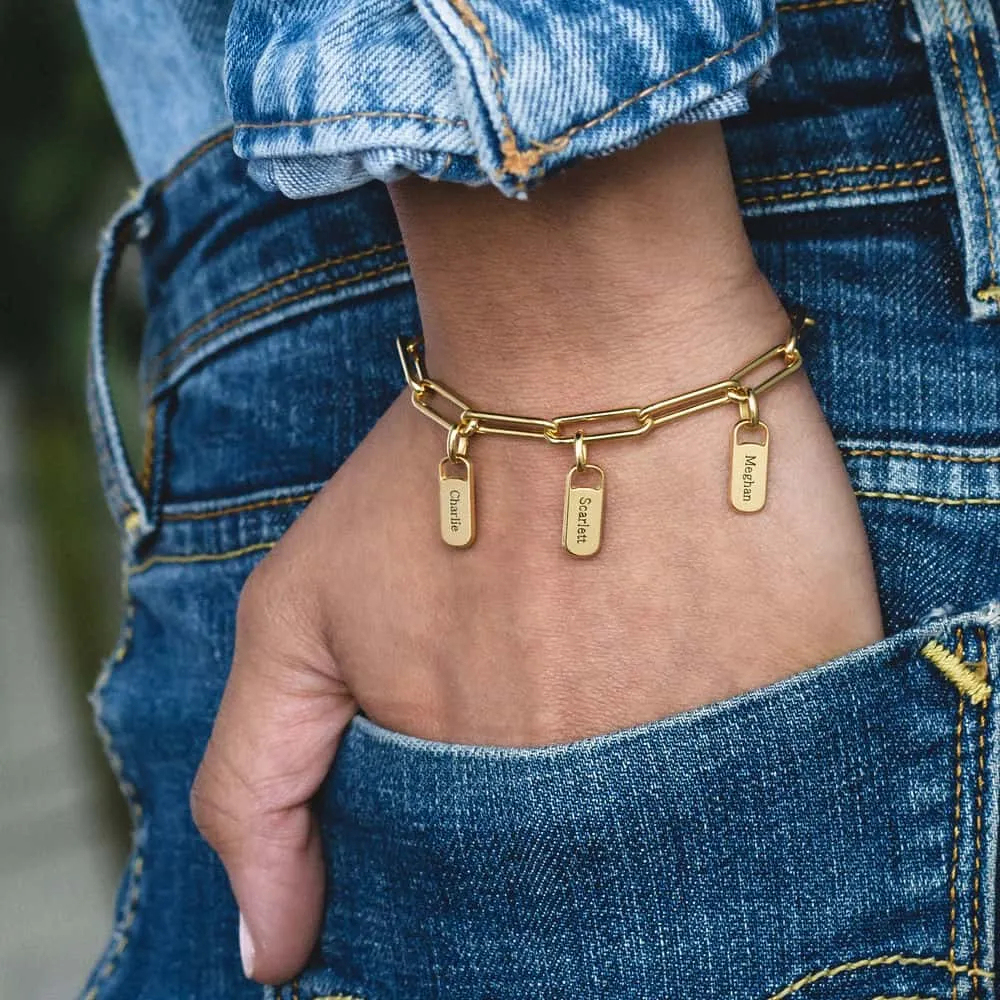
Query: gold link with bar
point(584, 504)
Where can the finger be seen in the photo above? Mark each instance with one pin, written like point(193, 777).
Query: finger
point(278, 727)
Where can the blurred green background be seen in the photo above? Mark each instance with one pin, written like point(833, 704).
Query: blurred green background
point(63, 170)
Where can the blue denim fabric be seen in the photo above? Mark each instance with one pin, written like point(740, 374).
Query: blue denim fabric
point(829, 837)
point(476, 90)
point(327, 95)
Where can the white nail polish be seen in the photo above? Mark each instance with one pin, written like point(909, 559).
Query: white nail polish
point(246, 948)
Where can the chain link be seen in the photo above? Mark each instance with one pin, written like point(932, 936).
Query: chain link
point(429, 397)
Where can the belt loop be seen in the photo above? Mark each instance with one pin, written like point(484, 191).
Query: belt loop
point(126, 500)
point(956, 34)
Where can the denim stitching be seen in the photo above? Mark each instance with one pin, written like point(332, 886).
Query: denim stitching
point(980, 768)
point(239, 509)
point(199, 557)
point(981, 77)
point(271, 307)
point(516, 161)
point(971, 681)
point(879, 960)
point(532, 158)
point(963, 99)
point(121, 935)
point(196, 154)
point(508, 139)
point(819, 4)
point(956, 829)
point(349, 115)
point(930, 455)
point(917, 498)
point(831, 171)
point(299, 272)
point(847, 189)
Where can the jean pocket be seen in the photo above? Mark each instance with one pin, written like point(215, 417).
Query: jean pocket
point(832, 834)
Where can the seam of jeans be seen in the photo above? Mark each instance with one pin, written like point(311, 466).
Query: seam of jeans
point(533, 157)
point(469, 17)
point(981, 77)
point(980, 767)
point(956, 830)
point(793, 8)
point(862, 168)
point(121, 935)
point(846, 189)
point(964, 101)
point(919, 498)
point(199, 557)
point(272, 307)
point(299, 272)
point(879, 960)
point(191, 158)
point(928, 455)
point(240, 508)
point(349, 116)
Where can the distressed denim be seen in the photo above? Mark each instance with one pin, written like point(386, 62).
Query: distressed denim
point(832, 836)
point(327, 95)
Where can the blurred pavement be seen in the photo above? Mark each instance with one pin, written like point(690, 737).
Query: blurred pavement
point(58, 863)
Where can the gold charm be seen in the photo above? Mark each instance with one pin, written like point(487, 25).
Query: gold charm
point(583, 512)
point(457, 502)
point(748, 471)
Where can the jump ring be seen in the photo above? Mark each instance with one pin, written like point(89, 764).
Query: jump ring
point(580, 451)
point(750, 409)
point(458, 443)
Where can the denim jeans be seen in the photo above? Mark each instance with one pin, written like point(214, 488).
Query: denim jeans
point(832, 836)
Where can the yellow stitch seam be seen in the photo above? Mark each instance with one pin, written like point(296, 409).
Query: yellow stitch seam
point(846, 189)
point(272, 306)
point(524, 161)
point(931, 455)
point(956, 829)
point(200, 557)
point(981, 77)
point(968, 680)
point(223, 511)
point(879, 960)
point(980, 768)
point(508, 140)
point(940, 501)
point(349, 115)
point(792, 8)
point(862, 168)
point(964, 101)
point(283, 279)
point(193, 157)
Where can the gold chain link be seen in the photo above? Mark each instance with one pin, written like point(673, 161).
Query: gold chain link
point(429, 396)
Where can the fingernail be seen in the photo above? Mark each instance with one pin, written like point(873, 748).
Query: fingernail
point(246, 948)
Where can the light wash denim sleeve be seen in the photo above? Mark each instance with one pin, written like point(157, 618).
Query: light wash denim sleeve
point(328, 94)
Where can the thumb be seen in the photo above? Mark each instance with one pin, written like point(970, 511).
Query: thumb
point(278, 727)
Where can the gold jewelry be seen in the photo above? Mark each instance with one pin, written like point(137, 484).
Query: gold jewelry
point(584, 497)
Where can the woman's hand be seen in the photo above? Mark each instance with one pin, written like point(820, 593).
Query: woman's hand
point(513, 641)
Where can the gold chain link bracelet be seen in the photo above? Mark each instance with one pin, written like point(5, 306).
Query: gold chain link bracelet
point(583, 509)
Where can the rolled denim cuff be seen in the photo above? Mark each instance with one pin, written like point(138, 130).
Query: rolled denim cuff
point(329, 95)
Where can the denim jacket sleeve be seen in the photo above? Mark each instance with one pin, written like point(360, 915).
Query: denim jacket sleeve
point(328, 94)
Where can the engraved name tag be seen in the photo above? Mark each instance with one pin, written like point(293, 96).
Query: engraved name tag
point(748, 471)
point(457, 504)
point(583, 513)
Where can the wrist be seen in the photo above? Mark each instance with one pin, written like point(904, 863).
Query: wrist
point(628, 276)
